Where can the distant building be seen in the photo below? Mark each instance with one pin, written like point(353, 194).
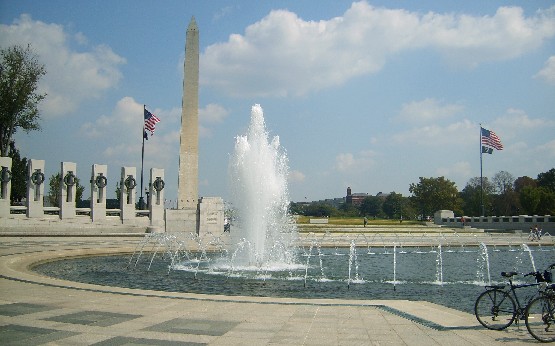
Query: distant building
point(355, 199)
point(383, 195)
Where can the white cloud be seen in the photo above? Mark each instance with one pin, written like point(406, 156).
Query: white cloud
point(518, 119)
point(283, 55)
point(428, 110)
point(72, 77)
point(455, 134)
point(471, 40)
point(514, 122)
point(118, 135)
point(126, 118)
point(548, 148)
point(209, 115)
point(212, 113)
point(458, 171)
point(346, 162)
point(296, 176)
point(547, 73)
point(224, 12)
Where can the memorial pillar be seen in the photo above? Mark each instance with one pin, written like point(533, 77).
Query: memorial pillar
point(68, 190)
point(5, 185)
point(127, 194)
point(35, 188)
point(156, 197)
point(99, 182)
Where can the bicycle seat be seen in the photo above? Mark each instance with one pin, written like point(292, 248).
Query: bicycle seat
point(508, 274)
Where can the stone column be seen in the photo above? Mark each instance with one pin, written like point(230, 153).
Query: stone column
point(156, 197)
point(68, 190)
point(5, 185)
point(127, 194)
point(99, 183)
point(35, 188)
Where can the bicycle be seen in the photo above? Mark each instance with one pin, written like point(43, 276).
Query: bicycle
point(540, 313)
point(499, 306)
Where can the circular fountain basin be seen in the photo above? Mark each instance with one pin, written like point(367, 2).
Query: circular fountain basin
point(449, 276)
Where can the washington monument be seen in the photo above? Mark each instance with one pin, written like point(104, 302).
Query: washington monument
point(188, 149)
point(206, 214)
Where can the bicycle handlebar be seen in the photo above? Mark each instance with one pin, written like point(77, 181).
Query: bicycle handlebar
point(537, 274)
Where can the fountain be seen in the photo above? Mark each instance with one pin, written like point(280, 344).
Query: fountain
point(258, 173)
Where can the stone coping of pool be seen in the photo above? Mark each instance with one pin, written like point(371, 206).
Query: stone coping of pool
point(338, 238)
point(18, 267)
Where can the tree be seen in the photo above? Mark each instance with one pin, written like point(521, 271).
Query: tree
point(530, 199)
point(393, 205)
point(547, 201)
point(320, 210)
point(521, 182)
point(20, 73)
point(537, 200)
point(347, 209)
point(432, 194)
point(54, 192)
point(19, 174)
point(473, 194)
point(371, 206)
point(506, 202)
point(547, 179)
point(296, 208)
point(503, 181)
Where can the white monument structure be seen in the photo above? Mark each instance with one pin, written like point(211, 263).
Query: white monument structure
point(192, 214)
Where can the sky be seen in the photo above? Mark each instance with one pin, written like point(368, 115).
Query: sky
point(370, 95)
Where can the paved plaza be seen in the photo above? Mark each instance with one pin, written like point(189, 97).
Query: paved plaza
point(39, 310)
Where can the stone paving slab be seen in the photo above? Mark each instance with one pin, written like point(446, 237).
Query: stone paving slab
point(40, 310)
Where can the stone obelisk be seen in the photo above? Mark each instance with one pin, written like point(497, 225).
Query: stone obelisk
point(204, 215)
point(188, 149)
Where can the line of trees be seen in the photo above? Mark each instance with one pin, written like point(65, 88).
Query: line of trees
point(501, 195)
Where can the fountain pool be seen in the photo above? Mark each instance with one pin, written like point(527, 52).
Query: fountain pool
point(453, 278)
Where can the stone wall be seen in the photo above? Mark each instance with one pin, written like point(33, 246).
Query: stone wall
point(510, 223)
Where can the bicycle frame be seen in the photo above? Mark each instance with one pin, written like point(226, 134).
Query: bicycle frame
point(520, 307)
point(500, 305)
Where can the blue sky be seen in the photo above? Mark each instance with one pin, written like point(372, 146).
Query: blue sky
point(369, 94)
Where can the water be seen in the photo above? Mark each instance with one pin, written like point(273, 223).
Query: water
point(262, 230)
point(346, 273)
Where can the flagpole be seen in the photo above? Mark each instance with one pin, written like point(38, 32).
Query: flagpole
point(481, 175)
point(141, 199)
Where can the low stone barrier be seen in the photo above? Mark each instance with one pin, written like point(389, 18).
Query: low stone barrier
point(318, 221)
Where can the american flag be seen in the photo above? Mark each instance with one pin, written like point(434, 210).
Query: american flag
point(150, 123)
point(490, 139)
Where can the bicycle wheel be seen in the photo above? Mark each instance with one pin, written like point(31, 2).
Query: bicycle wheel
point(540, 318)
point(495, 309)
